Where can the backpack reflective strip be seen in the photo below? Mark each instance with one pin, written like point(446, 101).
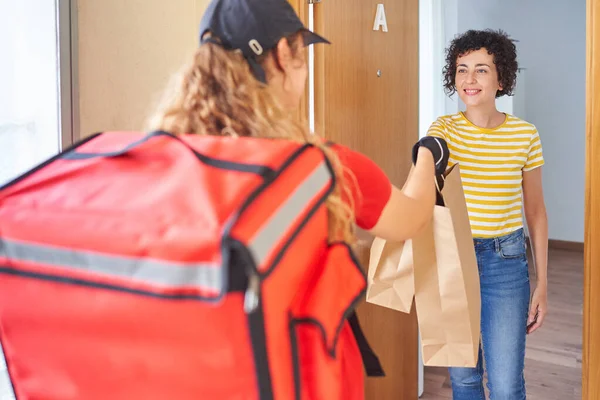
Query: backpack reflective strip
point(274, 228)
point(149, 271)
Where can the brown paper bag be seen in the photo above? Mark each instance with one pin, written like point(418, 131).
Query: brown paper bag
point(446, 277)
point(390, 275)
point(439, 269)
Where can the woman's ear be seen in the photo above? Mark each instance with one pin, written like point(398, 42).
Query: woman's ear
point(283, 54)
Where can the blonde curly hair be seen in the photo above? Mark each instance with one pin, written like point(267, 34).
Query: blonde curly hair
point(217, 94)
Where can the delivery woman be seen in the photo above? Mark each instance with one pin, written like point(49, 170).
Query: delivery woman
point(246, 77)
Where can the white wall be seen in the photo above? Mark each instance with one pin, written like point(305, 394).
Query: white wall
point(432, 101)
point(552, 49)
point(450, 30)
point(29, 82)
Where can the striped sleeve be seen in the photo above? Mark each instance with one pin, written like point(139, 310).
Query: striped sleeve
point(535, 157)
point(437, 129)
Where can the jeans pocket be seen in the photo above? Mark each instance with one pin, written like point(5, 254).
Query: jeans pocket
point(513, 247)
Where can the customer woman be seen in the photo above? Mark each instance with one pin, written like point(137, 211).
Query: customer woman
point(500, 158)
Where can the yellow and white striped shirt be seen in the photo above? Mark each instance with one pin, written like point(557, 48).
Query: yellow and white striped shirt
point(492, 162)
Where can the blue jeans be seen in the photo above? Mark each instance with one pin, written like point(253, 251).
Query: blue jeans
point(505, 292)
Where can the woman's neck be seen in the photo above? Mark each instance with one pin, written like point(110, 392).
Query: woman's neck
point(487, 117)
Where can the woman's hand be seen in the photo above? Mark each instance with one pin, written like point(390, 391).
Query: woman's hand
point(538, 310)
point(439, 150)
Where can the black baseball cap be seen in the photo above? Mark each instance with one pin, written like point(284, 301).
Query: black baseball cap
point(253, 26)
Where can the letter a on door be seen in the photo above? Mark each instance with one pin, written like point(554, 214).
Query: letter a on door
point(380, 20)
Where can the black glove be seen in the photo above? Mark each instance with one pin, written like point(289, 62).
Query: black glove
point(438, 148)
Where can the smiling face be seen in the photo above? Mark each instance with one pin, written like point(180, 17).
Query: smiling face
point(476, 78)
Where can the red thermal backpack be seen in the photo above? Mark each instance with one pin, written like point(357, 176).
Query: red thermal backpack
point(154, 266)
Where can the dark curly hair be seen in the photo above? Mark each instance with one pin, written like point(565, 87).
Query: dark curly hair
point(498, 44)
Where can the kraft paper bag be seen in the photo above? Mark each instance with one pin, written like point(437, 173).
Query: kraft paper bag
point(447, 296)
point(390, 275)
point(439, 269)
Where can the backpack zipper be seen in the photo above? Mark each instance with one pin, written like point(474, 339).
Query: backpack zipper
point(252, 295)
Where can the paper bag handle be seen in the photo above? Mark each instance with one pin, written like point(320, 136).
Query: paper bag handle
point(439, 197)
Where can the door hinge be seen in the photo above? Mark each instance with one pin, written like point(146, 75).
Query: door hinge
point(313, 1)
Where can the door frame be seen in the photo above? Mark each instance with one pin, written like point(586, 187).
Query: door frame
point(301, 8)
point(68, 70)
point(591, 277)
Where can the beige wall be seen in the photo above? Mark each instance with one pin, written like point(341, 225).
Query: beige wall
point(128, 49)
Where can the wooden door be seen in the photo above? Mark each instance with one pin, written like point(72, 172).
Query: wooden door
point(591, 307)
point(366, 97)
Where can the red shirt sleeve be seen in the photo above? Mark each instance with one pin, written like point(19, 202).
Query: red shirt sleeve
point(371, 188)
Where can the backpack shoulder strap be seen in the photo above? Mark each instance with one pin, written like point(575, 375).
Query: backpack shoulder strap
point(370, 360)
